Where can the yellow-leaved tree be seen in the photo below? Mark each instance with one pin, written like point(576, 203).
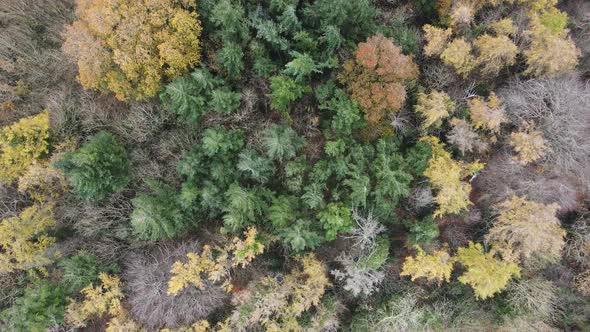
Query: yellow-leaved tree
point(276, 304)
point(23, 242)
point(489, 115)
point(434, 267)
point(434, 107)
point(436, 39)
point(100, 300)
point(485, 273)
point(459, 55)
point(446, 177)
point(551, 51)
point(214, 264)
point(529, 144)
point(494, 53)
point(22, 144)
point(525, 229)
point(131, 47)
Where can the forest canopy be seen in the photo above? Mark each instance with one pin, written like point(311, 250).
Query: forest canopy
point(294, 165)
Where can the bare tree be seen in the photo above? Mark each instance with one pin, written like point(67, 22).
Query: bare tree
point(146, 276)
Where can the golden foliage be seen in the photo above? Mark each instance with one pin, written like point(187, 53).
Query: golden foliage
point(486, 274)
point(503, 27)
point(244, 251)
point(375, 79)
point(434, 107)
point(549, 53)
point(98, 301)
point(215, 263)
point(130, 47)
point(524, 228)
point(529, 144)
point(436, 39)
point(494, 53)
point(42, 183)
point(434, 267)
point(458, 54)
point(445, 175)
point(276, 304)
point(488, 115)
point(22, 144)
point(22, 241)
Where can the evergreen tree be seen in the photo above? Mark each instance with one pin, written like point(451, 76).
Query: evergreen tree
point(99, 168)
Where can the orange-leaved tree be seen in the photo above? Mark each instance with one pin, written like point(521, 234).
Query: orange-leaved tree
point(377, 76)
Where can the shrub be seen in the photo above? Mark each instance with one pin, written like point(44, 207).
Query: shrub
point(147, 274)
point(525, 229)
point(376, 77)
point(23, 239)
point(41, 307)
point(130, 49)
point(22, 144)
point(160, 215)
point(97, 169)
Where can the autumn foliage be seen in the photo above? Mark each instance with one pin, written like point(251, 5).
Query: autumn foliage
point(131, 47)
point(377, 76)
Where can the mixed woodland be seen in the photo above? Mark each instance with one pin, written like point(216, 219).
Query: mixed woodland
point(294, 165)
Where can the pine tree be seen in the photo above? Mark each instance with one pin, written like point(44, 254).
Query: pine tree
point(159, 215)
point(281, 142)
point(98, 168)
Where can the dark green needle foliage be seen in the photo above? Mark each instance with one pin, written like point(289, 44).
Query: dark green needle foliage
point(422, 231)
point(41, 307)
point(83, 269)
point(159, 215)
point(99, 168)
point(281, 142)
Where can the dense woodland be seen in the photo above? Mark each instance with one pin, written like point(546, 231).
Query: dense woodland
point(294, 165)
